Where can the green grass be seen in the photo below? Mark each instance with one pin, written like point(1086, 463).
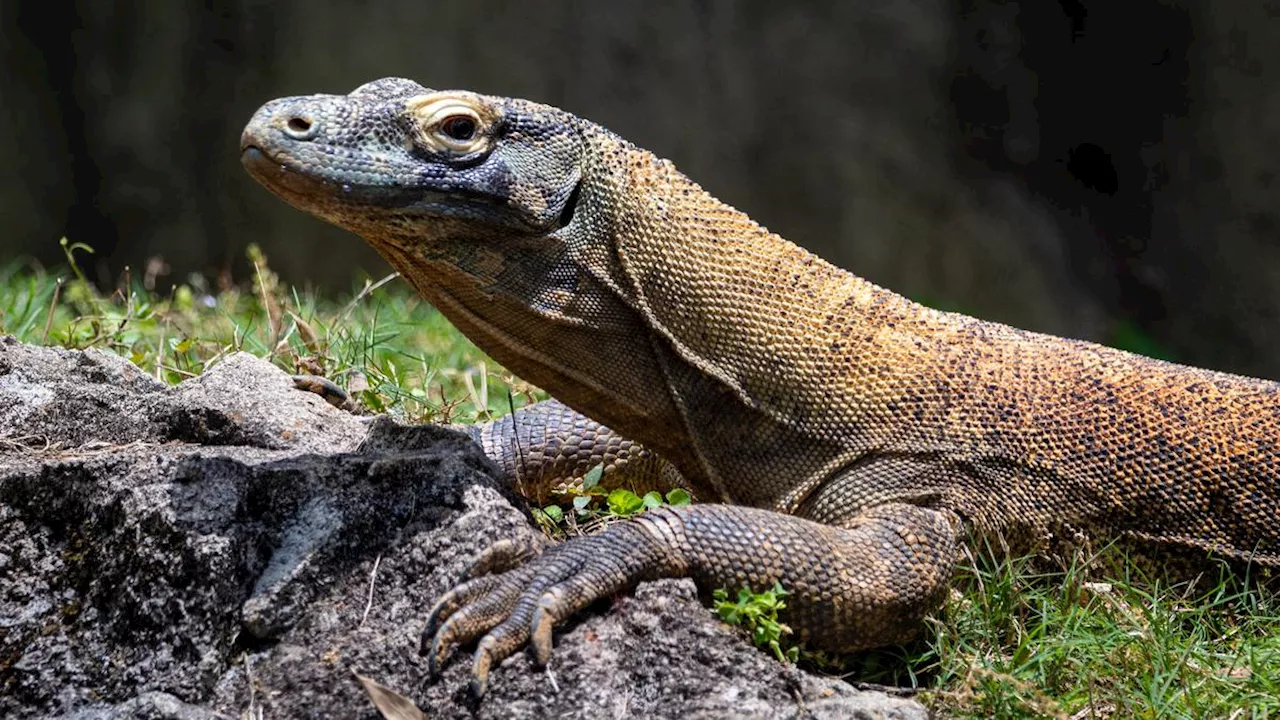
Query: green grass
point(1084, 642)
point(381, 342)
point(1012, 641)
point(1017, 643)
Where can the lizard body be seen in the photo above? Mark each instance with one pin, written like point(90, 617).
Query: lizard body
point(859, 432)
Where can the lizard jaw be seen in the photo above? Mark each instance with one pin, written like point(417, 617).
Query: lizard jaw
point(342, 202)
point(278, 178)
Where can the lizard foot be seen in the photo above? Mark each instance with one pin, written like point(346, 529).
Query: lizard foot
point(866, 584)
point(520, 604)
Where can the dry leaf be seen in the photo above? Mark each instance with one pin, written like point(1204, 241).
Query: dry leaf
point(390, 703)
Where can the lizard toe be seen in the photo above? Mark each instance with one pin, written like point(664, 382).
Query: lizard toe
point(479, 579)
point(499, 644)
point(597, 580)
point(513, 632)
point(502, 556)
point(487, 605)
point(525, 603)
point(449, 603)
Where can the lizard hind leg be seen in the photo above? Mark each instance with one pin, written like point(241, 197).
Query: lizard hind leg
point(865, 583)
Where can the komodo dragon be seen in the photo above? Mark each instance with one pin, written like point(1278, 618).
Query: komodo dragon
point(849, 439)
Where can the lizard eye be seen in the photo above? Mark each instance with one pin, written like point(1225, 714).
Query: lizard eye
point(451, 123)
point(461, 128)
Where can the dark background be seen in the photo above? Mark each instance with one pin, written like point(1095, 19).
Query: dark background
point(1097, 169)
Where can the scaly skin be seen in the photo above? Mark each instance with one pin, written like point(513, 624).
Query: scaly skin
point(862, 432)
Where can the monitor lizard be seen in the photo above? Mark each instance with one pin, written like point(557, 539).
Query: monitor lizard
point(843, 440)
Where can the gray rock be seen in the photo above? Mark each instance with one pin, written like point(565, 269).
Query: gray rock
point(231, 544)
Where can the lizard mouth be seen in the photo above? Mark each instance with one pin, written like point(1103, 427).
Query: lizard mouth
point(278, 178)
point(307, 190)
point(281, 178)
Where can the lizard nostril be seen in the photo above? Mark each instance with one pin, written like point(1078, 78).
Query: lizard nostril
point(300, 128)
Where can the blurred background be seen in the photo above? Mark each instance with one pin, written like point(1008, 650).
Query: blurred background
point(1106, 170)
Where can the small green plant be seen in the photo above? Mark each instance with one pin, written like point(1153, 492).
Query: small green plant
point(623, 503)
point(758, 614)
point(619, 503)
point(549, 518)
point(677, 497)
point(589, 489)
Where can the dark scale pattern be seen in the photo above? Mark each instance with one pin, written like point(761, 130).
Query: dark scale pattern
point(762, 376)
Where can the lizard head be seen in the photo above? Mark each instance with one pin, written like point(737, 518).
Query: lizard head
point(499, 211)
point(394, 153)
point(581, 262)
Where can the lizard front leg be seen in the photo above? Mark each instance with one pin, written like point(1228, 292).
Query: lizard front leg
point(544, 445)
point(862, 585)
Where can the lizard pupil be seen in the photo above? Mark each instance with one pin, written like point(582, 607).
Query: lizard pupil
point(459, 127)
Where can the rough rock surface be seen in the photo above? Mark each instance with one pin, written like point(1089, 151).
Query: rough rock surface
point(231, 546)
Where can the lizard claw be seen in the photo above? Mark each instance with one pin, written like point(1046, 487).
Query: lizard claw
point(466, 612)
point(544, 621)
point(522, 605)
point(480, 671)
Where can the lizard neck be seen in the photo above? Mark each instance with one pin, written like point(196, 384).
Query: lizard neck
point(746, 328)
point(538, 310)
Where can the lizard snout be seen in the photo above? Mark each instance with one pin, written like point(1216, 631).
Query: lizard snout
point(291, 120)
